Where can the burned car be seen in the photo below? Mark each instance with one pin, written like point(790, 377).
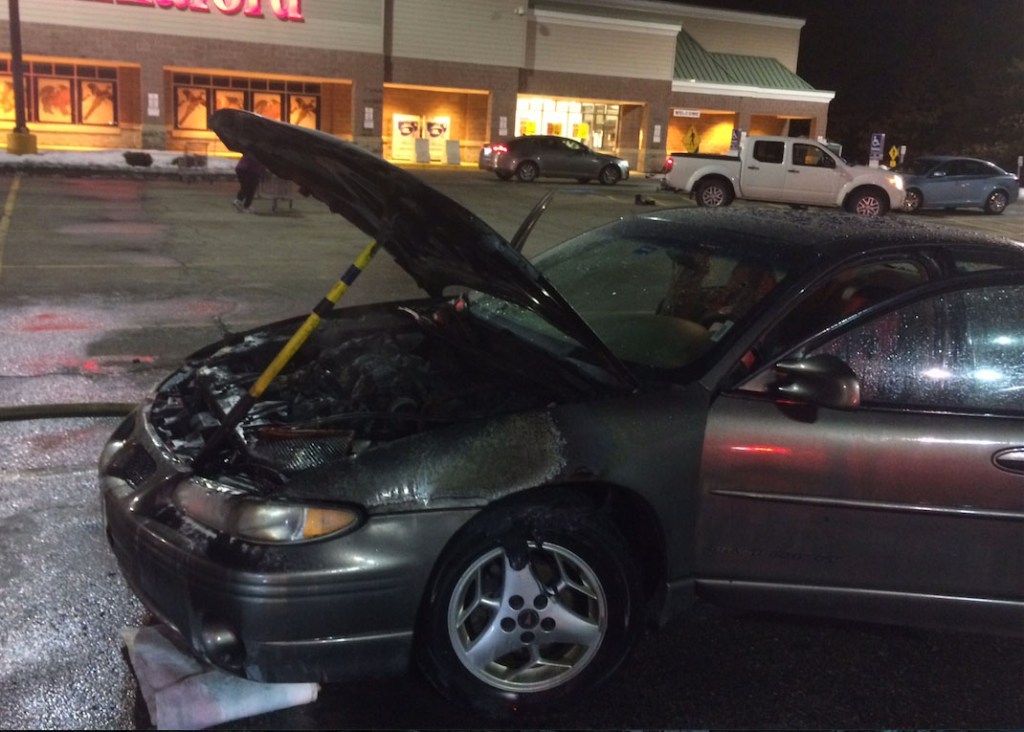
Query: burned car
point(503, 483)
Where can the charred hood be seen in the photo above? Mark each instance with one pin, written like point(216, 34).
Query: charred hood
point(436, 240)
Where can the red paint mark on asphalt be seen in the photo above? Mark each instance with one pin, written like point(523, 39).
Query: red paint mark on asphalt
point(51, 442)
point(47, 322)
point(107, 364)
point(208, 308)
point(99, 365)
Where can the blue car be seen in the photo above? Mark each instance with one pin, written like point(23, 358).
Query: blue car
point(945, 181)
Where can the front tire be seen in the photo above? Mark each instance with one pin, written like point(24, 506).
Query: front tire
point(913, 200)
point(609, 175)
point(527, 171)
point(528, 606)
point(996, 202)
point(714, 193)
point(868, 203)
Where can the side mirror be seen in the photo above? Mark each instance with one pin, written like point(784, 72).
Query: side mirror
point(824, 380)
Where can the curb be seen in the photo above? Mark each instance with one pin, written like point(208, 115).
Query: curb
point(138, 173)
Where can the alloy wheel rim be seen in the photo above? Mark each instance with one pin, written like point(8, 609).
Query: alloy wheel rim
point(530, 629)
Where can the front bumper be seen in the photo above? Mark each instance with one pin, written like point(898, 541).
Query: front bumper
point(333, 610)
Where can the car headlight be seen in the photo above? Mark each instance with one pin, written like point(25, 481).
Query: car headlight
point(235, 512)
point(897, 182)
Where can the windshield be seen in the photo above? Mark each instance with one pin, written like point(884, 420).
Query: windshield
point(656, 297)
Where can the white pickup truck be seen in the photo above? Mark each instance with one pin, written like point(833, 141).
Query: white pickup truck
point(791, 170)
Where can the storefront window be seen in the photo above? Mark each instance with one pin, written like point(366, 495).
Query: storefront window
point(289, 101)
point(603, 120)
point(593, 124)
point(62, 93)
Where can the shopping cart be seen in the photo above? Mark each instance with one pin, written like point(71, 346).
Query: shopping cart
point(278, 190)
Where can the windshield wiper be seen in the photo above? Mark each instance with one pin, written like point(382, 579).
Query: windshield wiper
point(527, 226)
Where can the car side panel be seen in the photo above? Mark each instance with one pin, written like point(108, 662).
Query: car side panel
point(867, 499)
point(814, 186)
point(764, 181)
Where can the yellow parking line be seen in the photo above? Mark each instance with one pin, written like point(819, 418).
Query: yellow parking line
point(5, 222)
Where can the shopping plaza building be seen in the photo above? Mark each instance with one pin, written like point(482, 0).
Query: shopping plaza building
point(411, 80)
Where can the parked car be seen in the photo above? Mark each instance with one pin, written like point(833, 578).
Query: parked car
point(502, 484)
point(946, 181)
point(791, 170)
point(547, 156)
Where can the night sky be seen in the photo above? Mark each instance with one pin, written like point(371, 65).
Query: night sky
point(855, 45)
point(871, 51)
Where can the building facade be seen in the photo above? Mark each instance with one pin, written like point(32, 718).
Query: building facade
point(412, 80)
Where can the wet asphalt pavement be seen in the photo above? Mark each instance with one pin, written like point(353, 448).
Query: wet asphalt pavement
point(106, 284)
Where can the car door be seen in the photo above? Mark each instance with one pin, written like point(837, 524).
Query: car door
point(942, 186)
point(905, 502)
point(571, 159)
point(539, 150)
point(974, 179)
point(812, 176)
point(763, 175)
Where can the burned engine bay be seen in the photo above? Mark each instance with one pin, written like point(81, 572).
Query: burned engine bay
point(367, 376)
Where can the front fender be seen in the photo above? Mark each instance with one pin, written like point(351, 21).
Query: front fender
point(890, 183)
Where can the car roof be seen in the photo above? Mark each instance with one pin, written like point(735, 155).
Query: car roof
point(787, 236)
point(944, 158)
point(542, 137)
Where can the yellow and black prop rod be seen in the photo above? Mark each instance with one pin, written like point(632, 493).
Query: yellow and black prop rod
point(243, 405)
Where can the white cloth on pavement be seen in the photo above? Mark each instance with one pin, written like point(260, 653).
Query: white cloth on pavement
point(183, 693)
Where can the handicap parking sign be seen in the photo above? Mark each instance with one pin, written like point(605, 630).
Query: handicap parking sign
point(877, 143)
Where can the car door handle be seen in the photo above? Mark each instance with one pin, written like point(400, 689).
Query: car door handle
point(753, 167)
point(792, 170)
point(1011, 459)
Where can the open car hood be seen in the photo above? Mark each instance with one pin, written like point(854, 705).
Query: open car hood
point(436, 240)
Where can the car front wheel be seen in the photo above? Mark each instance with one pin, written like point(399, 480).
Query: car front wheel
point(609, 175)
point(529, 606)
point(868, 203)
point(527, 171)
point(912, 201)
point(996, 202)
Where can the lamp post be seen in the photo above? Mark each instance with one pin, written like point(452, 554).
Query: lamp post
point(20, 141)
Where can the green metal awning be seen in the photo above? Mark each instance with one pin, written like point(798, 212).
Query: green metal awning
point(694, 63)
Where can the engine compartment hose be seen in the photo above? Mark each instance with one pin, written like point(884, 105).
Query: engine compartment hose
point(65, 411)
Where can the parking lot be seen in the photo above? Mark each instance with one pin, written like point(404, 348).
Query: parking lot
point(105, 284)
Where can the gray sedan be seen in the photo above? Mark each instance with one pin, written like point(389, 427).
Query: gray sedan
point(535, 156)
point(502, 482)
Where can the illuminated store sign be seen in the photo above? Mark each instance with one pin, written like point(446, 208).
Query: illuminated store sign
point(282, 9)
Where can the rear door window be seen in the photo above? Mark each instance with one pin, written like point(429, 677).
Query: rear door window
point(769, 151)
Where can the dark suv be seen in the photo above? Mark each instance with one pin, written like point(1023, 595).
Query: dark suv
point(532, 156)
